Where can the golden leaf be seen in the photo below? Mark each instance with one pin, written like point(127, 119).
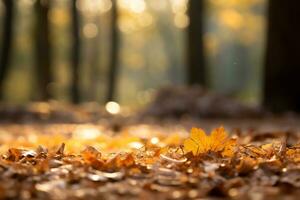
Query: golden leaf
point(230, 148)
point(218, 141)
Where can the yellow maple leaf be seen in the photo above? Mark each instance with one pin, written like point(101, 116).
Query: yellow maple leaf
point(229, 148)
point(217, 141)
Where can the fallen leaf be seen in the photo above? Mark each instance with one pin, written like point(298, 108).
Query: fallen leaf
point(217, 141)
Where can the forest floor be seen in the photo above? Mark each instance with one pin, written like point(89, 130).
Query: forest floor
point(65, 152)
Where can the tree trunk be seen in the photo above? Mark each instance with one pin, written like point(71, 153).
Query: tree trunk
point(75, 53)
point(43, 49)
point(195, 57)
point(282, 62)
point(6, 42)
point(114, 54)
point(95, 64)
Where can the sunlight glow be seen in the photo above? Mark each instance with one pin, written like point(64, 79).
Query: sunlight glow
point(130, 22)
point(179, 6)
point(145, 20)
point(231, 18)
point(158, 5)
point(58, 17)
point(86, 132)
point(135, 145)
point(105, 5)
point(113, 107)
point(137, 6)
point(94, 6)
point(181, 20)
point(90, 30)
point(154, 140)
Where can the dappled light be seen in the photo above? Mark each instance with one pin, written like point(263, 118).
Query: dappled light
point(112, 107)
point(157, 21)
point(149, 99)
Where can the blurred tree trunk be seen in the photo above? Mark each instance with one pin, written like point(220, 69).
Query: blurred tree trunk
point(43, 48)
point(114, 53)
point(195, 56)
point(95, 63)
point(75, 52)
point(6, 42)
point(282, 64)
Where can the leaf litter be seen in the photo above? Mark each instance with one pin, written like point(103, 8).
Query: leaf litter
point(214, 165)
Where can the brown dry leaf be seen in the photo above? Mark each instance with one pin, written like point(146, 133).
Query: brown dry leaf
point(293, 154)
point(246, 165)
point(218, 141)
point(120, 160)
point(254, 151)
point(42, 166)
point(92, 157)
point(61, 149)
point(126, 160)
point(268, 148)
point(90, 153)
point(15, 154)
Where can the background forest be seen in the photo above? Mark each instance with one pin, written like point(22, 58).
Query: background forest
point(152, 48)
point(101, 50)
